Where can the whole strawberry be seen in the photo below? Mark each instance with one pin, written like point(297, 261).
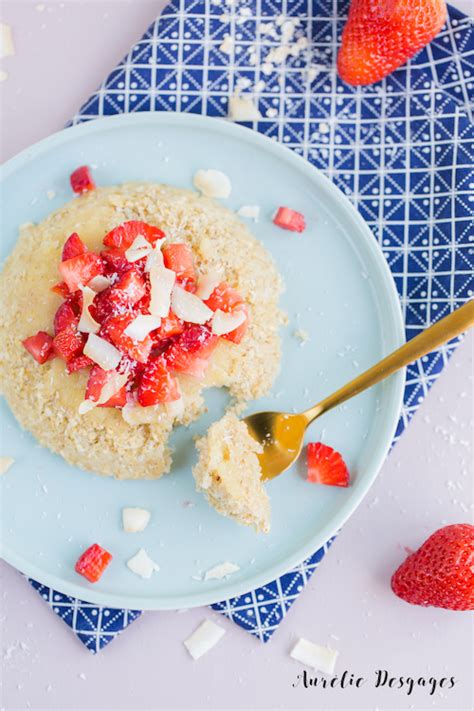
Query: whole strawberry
point(380, 35)
point(441, 572)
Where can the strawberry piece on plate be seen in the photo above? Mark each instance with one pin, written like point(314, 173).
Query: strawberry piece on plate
point(61, 289)
point(326, 466)
point(289, 219)
point(93, 562)
point(227, 299)
point(441, 572)
point(380, 36)
point(132, 285)
point(81, 180)
point(190, 353)
point(69, 343)
point(179, 258)
point(65, 316)
point(123, 236)
point(157, 384)
point(113, 329)
point(78, 363)
point(73, 246)
point(78, 271)
point(40, 346)
point(97, 379)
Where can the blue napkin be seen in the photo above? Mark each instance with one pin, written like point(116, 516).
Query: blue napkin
point(401, 150)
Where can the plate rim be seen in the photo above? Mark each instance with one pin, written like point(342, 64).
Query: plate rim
point(394, 395)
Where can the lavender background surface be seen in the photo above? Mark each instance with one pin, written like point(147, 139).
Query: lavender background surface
point(63, 50)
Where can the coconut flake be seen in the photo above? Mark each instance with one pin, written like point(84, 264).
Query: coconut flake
point(102, 352)
point(99, 283)
point(161, 285)
point(135, 520)
point(141, 326)
point(223, 322)
point(141, 564)
point(227, 45)
point(207, 635)
point(207, 283)
point(312, 655)
point(115, 382)
point(87, 324)
point(139, 248)
point(5, 464)
point(175, 408)
point(7, 48)
point(189, 307)
point(242, 109)
point(155, 257)
point(250, 211)
point(135, 414)
point(221, 571)
point(212, 183)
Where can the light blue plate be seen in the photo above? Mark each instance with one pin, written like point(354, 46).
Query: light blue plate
point(338, 289)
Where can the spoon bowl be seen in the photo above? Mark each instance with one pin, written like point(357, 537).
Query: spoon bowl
point(281, 436)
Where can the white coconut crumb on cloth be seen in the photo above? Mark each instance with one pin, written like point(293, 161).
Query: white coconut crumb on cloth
point(5, 464)
point(242, 109)
point(7, 47)
point(227, 45)
point(223, 570)
point(212, 183)
point(141, 564)
point(312, 655)
point(202, 640)
point(3, 75)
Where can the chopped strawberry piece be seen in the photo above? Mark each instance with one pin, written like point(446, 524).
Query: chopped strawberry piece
point(115, 261)
point(110, 302)
point(157, 384)
point(179, 258)
point(380, 36)
point(132, 285)
point(61, 289)
point(326, 466)
point(78, 271)
point(113, 329)
point(227, 299)
point(73, 246)
point(64, 317)
point(97, 379)
point(289, 219)
point(170, 326)
point(40, 346)
point(78, 363)
point(81, 180)
point(190, 353)
point(93, 562)
point(69, 343)
point(123, 236)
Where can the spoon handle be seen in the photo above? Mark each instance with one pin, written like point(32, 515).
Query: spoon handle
point(448, 327)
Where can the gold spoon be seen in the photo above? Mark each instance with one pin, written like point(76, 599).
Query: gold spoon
point(281, 433)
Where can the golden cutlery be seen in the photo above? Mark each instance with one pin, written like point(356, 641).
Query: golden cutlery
point(281, 433)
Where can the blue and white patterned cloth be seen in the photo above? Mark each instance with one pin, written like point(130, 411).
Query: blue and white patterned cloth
point(401, 150)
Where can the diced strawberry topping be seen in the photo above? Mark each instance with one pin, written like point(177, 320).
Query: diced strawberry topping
point(61, 289)
point(132, 285)
point(113, 329)
point(289, 219)
point(123, 236)
point(157, 384)
point(97, 379)
point(40, 346)
point(115, 261)
point(93, 562)
point(78, 271)
point(64, 317)
point(169, 327)
point(69, 343)
point(81, 180)
point(78, 363)
point(190, 353)
point(179, 258)
point(326, 466)
point(227, 299)
point(73, 246)
point(110, 302)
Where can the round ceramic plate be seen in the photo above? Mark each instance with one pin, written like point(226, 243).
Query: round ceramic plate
point(338, 289)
